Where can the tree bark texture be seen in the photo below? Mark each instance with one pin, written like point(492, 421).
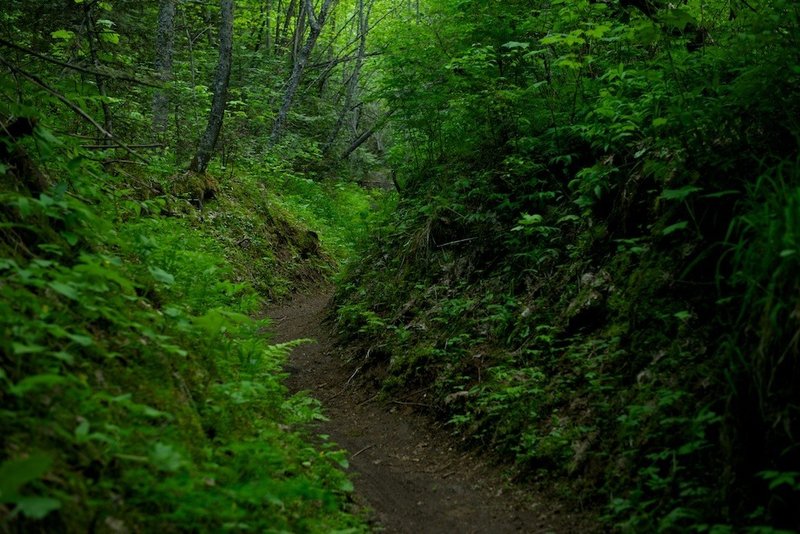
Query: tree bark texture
point(221, 78)
point(315, 23)
point(163, 64)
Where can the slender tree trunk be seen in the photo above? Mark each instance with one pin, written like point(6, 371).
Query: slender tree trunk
point(323, 78)
point(221, 78)
point(268, 43)
point(163, 64)
point(264, 33)
point(277, 40)
point(352, 83)
point(259, 33)
point(315, 23)
point(299, 31)
point(281, 39)
point(92, 39)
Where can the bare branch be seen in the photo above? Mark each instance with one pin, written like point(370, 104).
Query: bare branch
point(107, 74)
point(106, 147)
point(71, 105)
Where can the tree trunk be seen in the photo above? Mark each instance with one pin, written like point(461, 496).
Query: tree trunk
point(315, 23)
point(221, 79)
point(281, 39)
point(268, 43)
point(277, 40)
point(299, 31)
point(352, 83)
point(163, 64)
point(92, 38)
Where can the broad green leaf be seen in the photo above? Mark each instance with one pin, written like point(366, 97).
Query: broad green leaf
point(82, 431)
point(64, 357)
point(43, 134)
point(680, 194)
point(62, 34)
point(83, 341)
point(16, 473)
point(598, 31)
point(35, 382)
point(37, 507)
point(70, 238)
point(166, 458)
point(782, 478)
point(529, 220)
point(109, 37)
point(64, 289)
point(675, 228)
point(677, 19)
point(27, 348)
point(162, 276)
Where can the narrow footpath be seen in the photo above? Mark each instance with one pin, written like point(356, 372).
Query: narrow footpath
point(406, 469)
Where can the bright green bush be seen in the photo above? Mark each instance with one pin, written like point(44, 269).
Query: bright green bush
point(136, 389)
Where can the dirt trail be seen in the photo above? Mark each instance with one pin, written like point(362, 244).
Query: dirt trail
point(405, 469)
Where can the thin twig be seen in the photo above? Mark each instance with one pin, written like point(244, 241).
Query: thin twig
point(126, 161)
point(457, 242)
point(353, 375)
point(405, 403)
point(336, 394)
point(106, 147)
point(337, 61)
point(368, 447)
point(362, 403)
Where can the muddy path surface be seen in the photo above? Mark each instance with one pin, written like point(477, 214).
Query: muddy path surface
point(406, 469)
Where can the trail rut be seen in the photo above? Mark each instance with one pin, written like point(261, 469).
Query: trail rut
point(409, 472)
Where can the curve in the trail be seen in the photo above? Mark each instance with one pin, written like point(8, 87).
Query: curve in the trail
point(407, 471)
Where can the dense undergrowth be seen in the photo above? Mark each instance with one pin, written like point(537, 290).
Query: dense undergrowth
point(137, 389)
point(593, 268)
